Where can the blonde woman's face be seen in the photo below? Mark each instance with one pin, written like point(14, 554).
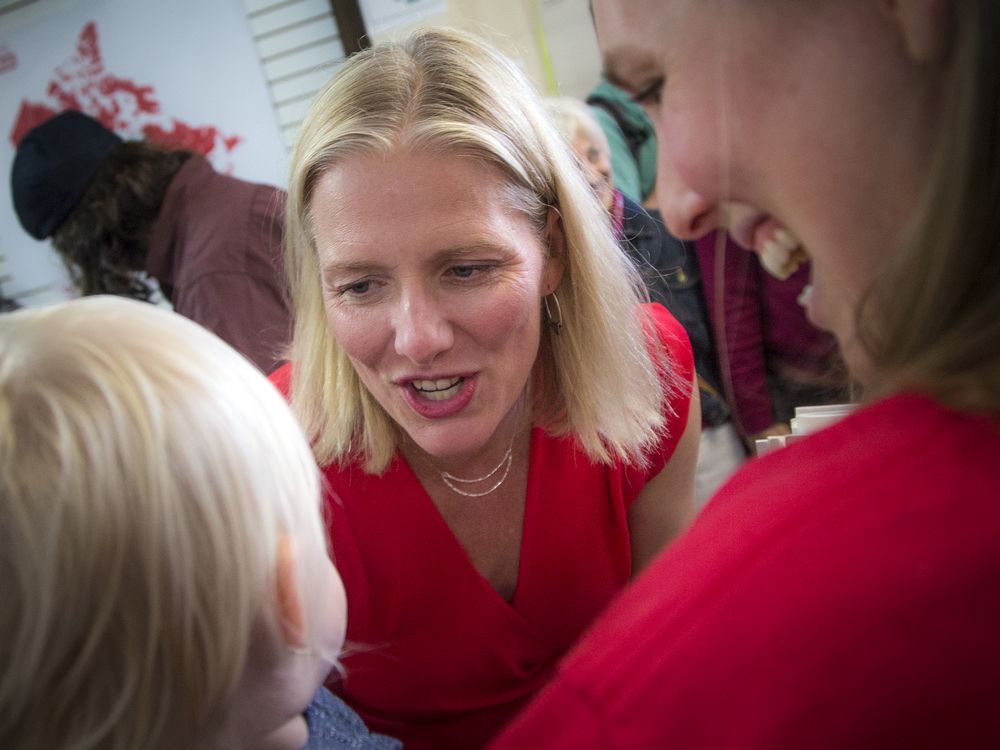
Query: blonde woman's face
point(433, 285)
point(798, 126)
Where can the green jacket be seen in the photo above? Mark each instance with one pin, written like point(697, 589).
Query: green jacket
point(631, 139)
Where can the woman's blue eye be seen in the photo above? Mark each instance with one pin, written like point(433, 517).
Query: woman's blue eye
point(464, 272)
point(358, 288)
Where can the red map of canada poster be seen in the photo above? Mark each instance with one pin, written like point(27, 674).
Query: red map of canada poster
point(130, 109)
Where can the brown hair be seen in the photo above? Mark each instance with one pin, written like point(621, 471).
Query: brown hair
point(932, 319)
point(104, 240)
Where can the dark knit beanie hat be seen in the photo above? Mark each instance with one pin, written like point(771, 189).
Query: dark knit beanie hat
point(55, 163)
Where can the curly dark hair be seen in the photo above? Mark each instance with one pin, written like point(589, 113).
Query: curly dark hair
point(104, 241)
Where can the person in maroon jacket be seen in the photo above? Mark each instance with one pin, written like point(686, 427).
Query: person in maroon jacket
point(123, 212)
point(772, 358)
point(840, 592)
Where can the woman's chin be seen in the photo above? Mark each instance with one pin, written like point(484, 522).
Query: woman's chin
point(841, 321)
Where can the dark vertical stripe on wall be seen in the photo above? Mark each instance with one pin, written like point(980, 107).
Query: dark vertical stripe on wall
point(351, 25)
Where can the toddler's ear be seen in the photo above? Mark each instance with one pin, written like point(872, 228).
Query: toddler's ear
point(926, 26)
point(290, 617)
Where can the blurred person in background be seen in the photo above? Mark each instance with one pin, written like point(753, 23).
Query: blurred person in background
point(773, 358)
point(631, 141)
point(670, 269)
point(122, 212)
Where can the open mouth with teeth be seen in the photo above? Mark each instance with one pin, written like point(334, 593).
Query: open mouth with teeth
point(437, 390)
point(782, 254)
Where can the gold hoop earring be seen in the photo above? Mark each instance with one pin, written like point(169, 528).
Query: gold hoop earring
point(556, 322)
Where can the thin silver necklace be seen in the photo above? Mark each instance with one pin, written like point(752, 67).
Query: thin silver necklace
point(452, 481)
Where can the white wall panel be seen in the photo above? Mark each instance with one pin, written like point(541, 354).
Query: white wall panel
point(318, 32)
point(300, 48)
point(285, 15)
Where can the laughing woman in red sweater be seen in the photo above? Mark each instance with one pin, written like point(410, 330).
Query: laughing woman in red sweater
point(842, 592)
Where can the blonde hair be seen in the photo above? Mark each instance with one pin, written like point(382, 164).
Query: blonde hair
point(448, 91)
point(149, 472)
point(932, 319)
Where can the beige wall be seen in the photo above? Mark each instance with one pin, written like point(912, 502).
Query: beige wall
point(553, 40)
point(572, 45)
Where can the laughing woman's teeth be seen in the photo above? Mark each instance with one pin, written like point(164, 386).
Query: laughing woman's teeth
point(437, 390)
point(774, 258)
point(782, 255)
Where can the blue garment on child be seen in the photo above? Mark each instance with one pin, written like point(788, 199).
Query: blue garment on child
point(334, 726)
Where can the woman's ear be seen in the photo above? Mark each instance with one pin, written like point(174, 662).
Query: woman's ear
point(290, 619)
point(555, 263)
point(925, 26)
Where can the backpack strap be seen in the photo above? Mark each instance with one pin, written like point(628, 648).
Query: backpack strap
point(635, 138)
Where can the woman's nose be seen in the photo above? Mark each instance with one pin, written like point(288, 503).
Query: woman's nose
point(603, 166)
point(422, 330)
point(687, 214)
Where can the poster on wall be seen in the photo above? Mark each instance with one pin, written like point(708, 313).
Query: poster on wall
point(184, 74)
